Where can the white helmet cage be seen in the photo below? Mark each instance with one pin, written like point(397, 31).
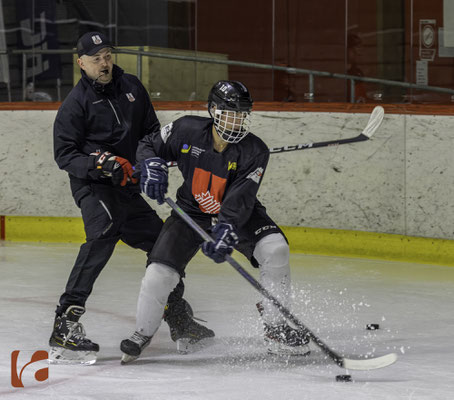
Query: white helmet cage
point(230, 104)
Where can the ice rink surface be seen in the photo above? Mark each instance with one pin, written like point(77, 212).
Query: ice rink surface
point(335, 297)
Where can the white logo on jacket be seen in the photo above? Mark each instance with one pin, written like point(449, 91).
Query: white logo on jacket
point(256, 175)
point(130, 97)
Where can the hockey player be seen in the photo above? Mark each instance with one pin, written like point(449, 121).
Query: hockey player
point(222, 165)
point(96, 133)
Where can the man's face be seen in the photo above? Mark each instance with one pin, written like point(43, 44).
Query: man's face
point(99, 66)
point(232, 120)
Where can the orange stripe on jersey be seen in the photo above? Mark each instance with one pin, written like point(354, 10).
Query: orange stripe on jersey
point(208, 190)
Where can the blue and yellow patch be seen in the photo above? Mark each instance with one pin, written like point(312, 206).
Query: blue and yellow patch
point(186, 148)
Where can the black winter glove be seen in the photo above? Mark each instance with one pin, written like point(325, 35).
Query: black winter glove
point(108, 165)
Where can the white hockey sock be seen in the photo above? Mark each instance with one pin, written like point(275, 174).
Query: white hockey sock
point(272, 254)
point(157, 284)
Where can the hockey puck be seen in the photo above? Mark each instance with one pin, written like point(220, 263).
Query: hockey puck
point(372, 327)
point(343, 378)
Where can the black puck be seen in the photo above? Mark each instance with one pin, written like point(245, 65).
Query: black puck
point(343, 378)
point(372, 327)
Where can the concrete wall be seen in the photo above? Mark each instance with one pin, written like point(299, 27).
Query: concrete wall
point(399, 182)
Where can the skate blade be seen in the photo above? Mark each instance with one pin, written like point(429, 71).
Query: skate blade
point(126, 358)
point(186, 345)
point(280, 349)
point(60, 355)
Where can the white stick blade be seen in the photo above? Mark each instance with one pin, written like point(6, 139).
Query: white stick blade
point(370, 363)
point(375, 121)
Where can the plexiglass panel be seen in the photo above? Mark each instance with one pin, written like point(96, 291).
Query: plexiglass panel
point(407, 41)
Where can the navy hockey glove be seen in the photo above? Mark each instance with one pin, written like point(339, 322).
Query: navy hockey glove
point(154, 178)
point(108, 165)
point(224, 241)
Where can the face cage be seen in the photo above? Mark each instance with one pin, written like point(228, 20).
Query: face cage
point(232, 126)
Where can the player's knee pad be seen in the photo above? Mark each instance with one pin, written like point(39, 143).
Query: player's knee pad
point(159, 281)
point(272, 252)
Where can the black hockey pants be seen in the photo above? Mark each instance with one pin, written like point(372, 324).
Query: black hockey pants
point(109, 214)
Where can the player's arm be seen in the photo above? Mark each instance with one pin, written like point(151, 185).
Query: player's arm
point(153, 152)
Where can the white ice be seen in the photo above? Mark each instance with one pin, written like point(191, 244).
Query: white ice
point(335, 297)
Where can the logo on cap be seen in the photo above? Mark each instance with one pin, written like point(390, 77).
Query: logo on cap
point(96, 39)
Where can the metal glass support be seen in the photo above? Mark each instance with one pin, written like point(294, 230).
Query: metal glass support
point(310, 95)
point(24, 76)
point(139, 64)
point(289, 70)
point(352, 90)
point(58, 89)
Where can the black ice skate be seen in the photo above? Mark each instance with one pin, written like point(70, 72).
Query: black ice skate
point(184, 330)
point(68, 344)
point(282, 339)
point(132, 347)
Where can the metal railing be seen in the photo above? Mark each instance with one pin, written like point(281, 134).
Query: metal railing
point(289, 70)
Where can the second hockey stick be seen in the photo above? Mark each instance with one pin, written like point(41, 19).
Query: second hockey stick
point(375, 120)
point(343, 362)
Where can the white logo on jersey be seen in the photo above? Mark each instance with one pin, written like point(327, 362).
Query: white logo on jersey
point(166, 131)
point(196, 151)
point(264, 228)
point(256, 175)
point(208, 202)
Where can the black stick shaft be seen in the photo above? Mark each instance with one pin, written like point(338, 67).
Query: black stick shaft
point(338, 359)
point(305, 146)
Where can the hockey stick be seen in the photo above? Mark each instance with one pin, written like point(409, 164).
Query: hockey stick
point(375, 120)
point(354, 364)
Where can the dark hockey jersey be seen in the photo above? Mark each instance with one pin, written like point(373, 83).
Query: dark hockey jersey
point(214, 183)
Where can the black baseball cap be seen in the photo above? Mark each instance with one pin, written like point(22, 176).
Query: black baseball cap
point(91, 42)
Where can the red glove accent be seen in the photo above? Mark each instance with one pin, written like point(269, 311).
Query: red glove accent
point(118, 169)
point(127, 171)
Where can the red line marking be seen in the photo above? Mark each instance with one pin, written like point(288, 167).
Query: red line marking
point(2, 228)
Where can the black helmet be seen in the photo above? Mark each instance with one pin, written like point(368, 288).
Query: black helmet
point(230, 104)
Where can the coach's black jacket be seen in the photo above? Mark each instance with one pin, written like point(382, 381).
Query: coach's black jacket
point(93, 118)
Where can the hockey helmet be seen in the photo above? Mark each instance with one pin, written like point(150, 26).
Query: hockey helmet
point(230, 105)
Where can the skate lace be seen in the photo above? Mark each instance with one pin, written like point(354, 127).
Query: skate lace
point(138, 338)
point(76, 332)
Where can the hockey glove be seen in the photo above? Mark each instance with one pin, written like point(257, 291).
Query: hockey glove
point(118, 169)
point(154, 178)
point(224, 241)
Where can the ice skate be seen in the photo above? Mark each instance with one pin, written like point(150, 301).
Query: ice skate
point(188, 334)
point(68, 344)
point(132, 347)
point(282, 339)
